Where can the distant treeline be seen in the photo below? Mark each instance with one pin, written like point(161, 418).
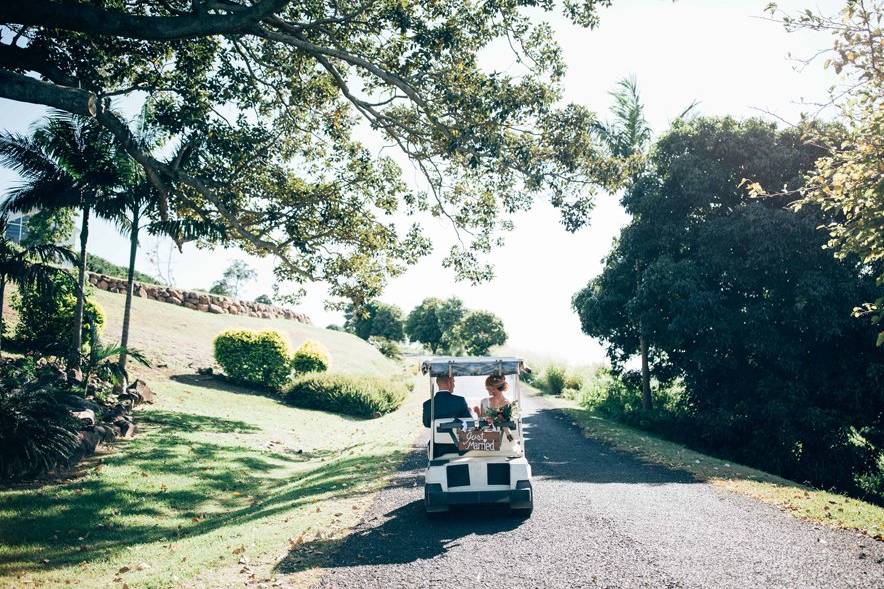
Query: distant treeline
point(99, 265)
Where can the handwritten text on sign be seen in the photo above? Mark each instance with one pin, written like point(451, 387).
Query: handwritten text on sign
point(475, 439)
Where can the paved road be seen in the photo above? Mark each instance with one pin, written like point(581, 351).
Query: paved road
point(601, 519)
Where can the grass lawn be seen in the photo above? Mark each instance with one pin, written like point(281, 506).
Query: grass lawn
point(181, 339)
point(819, 506)
point(213, 492)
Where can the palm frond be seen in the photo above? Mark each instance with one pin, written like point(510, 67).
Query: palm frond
point(51, 193)
point(40, 275)
point(83, 148)
point(182, 230)
point(28, 158)
point(688, 111)
point(629, 132)
point(138, 356)
point(48, 252)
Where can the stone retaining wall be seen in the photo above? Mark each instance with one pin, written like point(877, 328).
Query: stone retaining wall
point(198, 301)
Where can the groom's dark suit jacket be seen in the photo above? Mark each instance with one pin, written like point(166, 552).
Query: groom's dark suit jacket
point(447, 406)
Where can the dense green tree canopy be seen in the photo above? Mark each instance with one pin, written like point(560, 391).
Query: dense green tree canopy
point(434, 323)
point(50, 226)
point(376, 319)
point(739, 298)
point(260, 100)
point(847, 182)
point(479, 331)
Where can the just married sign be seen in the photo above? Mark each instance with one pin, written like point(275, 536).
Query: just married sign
point(476, 439)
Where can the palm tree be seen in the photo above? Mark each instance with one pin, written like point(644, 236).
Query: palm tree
point(135, 210)
point(28, 266)
point(628, 136)
point(68, 162)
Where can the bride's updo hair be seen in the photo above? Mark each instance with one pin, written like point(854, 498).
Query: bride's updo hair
point(497, 382)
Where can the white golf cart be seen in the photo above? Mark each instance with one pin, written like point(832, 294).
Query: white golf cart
point(472, 461)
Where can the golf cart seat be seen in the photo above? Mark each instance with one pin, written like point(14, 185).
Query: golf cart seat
point(445, 437)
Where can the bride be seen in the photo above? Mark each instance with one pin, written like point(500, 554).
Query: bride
point(496, 387)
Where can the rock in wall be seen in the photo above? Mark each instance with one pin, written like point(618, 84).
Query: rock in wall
point(197, 301)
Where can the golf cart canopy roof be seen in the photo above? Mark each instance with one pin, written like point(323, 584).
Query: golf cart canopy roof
point(477, 366)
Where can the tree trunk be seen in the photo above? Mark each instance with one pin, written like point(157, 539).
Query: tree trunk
point(647, 402)
point(2, 294)
point(130, 288)
point(81, 291)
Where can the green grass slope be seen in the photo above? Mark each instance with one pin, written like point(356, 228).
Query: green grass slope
point(220, 485)
point(182, 338)
point(217, 489)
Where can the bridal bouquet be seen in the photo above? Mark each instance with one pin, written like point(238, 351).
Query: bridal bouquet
point(500, 417)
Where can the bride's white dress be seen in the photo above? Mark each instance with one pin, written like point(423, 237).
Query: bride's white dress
point(485, 405)
point(505, 444)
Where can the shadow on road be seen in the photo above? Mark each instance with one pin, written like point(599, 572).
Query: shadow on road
point(558, 450)
point(404, 535)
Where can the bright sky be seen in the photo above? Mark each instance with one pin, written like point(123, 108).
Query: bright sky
point(718, 53)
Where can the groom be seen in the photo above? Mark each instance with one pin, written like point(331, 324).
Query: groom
point(447, 404)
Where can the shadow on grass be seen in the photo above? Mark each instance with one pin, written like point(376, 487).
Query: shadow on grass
point(165, 486)
point(174, 421)
point(220, 383)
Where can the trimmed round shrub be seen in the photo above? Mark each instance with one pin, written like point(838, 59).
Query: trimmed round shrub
point(360, 396)
point(254, 357)
point(310, 357)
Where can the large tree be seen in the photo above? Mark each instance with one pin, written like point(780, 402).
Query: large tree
point(739, 298)
point(262, 99)
point(628, 135)
point(479, 331)
point(847, 181)
point(377, 319)
point(434, 323)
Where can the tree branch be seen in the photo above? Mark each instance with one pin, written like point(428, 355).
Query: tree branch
point(86, 18)
point(26, 89)
point(13, 57)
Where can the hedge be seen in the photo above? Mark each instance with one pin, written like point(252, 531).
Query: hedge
point(310, 357)
point(360, 396)
point(254, 357)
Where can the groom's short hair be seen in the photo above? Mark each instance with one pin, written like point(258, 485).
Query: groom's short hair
point(444, 381)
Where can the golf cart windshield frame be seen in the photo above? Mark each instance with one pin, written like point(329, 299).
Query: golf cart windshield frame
point(474, 366)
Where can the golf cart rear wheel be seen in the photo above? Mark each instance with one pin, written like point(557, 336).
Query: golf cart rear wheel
point(435, 513)
point(522, 512)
